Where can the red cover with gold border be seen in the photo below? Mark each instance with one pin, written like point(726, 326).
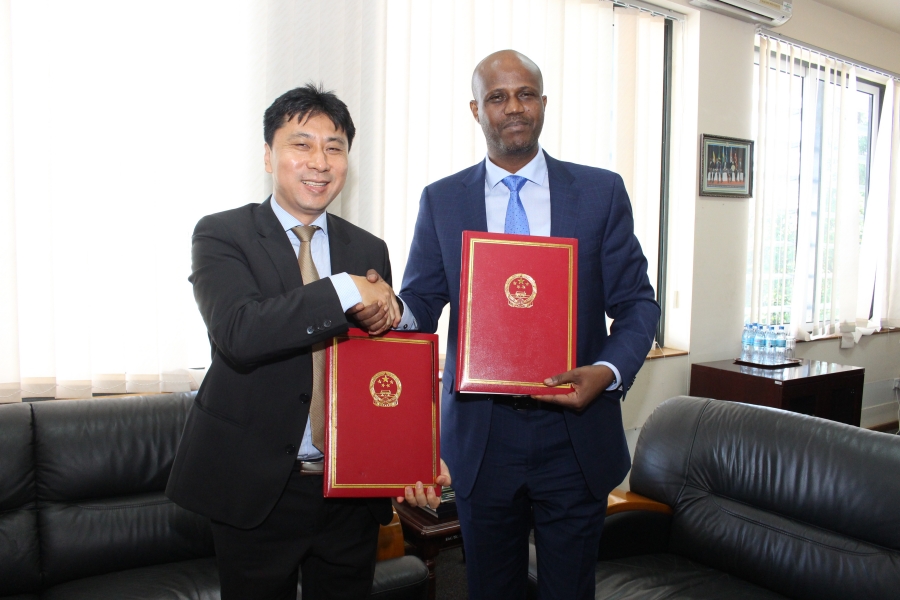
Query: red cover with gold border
point(517, 312)
point(382, 414)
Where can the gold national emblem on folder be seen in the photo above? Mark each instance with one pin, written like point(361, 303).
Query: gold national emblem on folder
point(385, 389)
point(521, 290)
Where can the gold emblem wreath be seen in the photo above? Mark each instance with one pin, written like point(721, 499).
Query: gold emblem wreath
point(515, 290)
point(379, 387)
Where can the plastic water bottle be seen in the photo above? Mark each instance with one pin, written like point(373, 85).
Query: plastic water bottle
point(759, 345)
point(747, 342)
point(770, 345)
point(780, 344)
point(754, 328)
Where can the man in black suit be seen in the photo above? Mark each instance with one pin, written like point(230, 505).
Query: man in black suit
point(273, 281)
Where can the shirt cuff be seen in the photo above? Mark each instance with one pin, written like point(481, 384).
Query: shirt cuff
point(617, 381)
point(408, 320)
point(346, 290)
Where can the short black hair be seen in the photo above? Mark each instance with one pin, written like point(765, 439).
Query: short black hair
point(304, 102)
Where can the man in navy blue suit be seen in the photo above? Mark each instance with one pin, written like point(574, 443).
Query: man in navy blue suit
point(550, 458)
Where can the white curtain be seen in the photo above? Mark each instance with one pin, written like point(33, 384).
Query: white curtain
point(121, 124)
point(126, 122)
point(891, 302)
point(880, 250)
point(774, 207)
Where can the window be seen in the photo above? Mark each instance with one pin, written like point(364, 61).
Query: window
point(817, 125)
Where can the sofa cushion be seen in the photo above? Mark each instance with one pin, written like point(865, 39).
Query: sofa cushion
point(187, 580)
point(19, 552)
point(103, 466)
point(796, 504)
point(92, 537)
point(667, 576)
point(106, 448)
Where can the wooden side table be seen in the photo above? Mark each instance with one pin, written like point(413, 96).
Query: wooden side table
point(428, 535)
point(816, 388)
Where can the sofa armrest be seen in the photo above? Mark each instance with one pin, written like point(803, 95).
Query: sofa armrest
point(634, 525)
point(622, 501)
point(390, 539)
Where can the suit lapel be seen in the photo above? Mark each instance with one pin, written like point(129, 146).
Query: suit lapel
point(564, 199)
point(474, 210)
point(338, 246)
point(275, 242)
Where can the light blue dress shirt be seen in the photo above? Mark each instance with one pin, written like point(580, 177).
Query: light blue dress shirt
point(535, 197)
point(346, 290)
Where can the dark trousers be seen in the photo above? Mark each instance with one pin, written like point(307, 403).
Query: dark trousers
point(530, 471)
point(333, 543)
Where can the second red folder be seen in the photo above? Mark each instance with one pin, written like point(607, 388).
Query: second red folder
point(517, 312)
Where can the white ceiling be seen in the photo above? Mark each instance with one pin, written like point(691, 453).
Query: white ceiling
point(885, 13)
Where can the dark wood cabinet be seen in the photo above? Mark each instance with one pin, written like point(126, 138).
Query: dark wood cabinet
point(813, 387)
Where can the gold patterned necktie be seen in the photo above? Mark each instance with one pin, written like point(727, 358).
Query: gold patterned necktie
point(309, 273)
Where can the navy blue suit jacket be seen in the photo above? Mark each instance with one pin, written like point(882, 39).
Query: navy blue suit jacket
point(586, 203)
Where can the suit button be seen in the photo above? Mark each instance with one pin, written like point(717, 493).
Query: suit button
point(304, 398)
point(310, 329)
point(290, 449)
point(327, 323)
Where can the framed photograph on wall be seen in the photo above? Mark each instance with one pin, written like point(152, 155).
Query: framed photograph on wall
point(726, 167)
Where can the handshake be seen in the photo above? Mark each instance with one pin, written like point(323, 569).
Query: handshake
point(380, 309)
point(378, 312)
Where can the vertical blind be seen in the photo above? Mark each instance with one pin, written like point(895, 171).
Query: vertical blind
point(121, 124)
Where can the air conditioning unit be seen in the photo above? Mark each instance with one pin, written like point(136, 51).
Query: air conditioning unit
point(766, 12)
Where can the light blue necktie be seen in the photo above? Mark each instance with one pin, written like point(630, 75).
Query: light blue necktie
point(516, 219)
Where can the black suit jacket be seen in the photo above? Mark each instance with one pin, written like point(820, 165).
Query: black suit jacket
point(241, 437)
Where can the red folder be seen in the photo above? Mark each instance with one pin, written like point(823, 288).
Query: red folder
point(382, 414)
point(517, 312)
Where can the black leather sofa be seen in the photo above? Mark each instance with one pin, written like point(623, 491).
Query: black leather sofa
point(83, 515)
point(763, 503)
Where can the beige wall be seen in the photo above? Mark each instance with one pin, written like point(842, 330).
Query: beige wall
point(845, 34)
point(719, 60)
